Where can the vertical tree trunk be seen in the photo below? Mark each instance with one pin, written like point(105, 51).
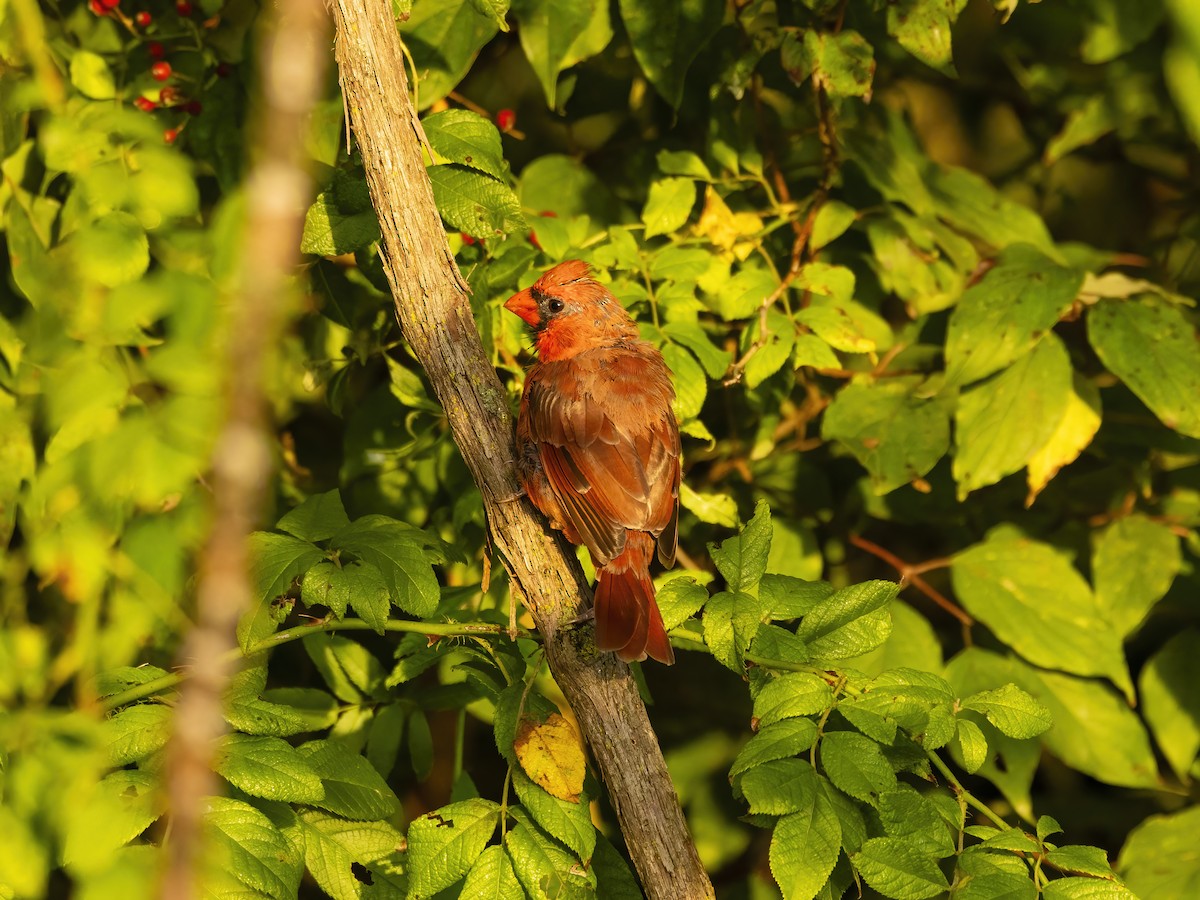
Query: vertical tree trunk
point(437, 322)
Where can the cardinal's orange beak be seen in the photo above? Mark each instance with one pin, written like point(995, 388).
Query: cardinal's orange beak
point(524, 306)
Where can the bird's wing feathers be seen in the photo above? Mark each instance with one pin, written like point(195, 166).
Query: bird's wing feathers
point(609, 446)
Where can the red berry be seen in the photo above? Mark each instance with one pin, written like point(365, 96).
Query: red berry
point(143, 19)
point(533, 240)
point(111, 4)
point(168, 96)
point(170, 135)
point(160, 71)
point(194, 107)
point(97, 7)
point(224, 70)
point(156, 50)
point(548, 214)
point(506, 119)
point(144, 104)
point(184, 8)
point(466, 238)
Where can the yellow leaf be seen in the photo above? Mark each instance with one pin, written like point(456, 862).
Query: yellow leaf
point(1075, 431)
point(724, 227)
point(551, 753)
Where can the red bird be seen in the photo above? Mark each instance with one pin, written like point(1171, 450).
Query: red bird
point(598, 448)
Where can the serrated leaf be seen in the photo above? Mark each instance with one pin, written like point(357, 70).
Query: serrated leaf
point(779, 787)
point(1036, 601)
point(117, 809)
point(780, 740)
point(1150, 345)
point(328, 231)
point(251, 851)
point(444, 844)
point(335, 848)
point(544, 869)
point(730, 622)
point(906, 813)
point(790, 696)
point(399, 552)
point(788, 597)
point(467, 138)
point(842, 63)
point(680, 599)
point(135, 732)
point(567, 821)
point(352, 786)
point(474, 203)
point(972, 744)
point(742, 559)
point(856, 765)
point(1011, 710)
point(804, 848)
point(492, 878)
point(896, 869)
point(267, 767)
point(692, 336)
point(1082, 860)
point(849, 622)
point(318, 518)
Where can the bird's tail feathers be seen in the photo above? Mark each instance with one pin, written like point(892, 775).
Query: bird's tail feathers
point(627, 616)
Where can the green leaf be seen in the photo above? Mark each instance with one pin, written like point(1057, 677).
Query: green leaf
point(906, 813)
point(776, 741)
point(359, 583)
point(804, 848)
point(328, 231)
point(667, 36)
point(560, 184)
point(1081, 860)
point(849, 622)
point(267, 767)
point(856, 766)
point(135, 732)
point(691, 387)
point(741, 296)
point(117, 809)
point(842, 64)
point(1075, 888)
point(774, 353)
point(1013, 711)
point(349, 669)
point(1159, 857)
point(492, 878)
point(922, 27)
point(544, 869)
point(318, 518)
point(692, 336)
point(563, 820)
point(251, 851)
point(1170, 701)
point(790, 696)
point(1150, 345)
point(277, 560)
point(398, 551)
point(614, 880)
point(113, 250)
point(352, 786)
point(896, 869)
point(543, 27)
point(780, 787)
point(1004, 421)
point(682, 162)
point(972, 744)
point(1086, 124)
point(1038, 603)
point(912, 644)
point(334, 848)
point(897, 435)
point(467, 138)
point(1114, 27)
point(473, 203)
point(715, 509)
point(668, 205)
point(831, 223)
point(1004, 316)
point(420, 744)
point(742, 559)
point(1134, 562)
point(444, 844)
point(787, 597)
point(730, 621)
point(1047, 826)
point(444, 39)
point(91, 75)
point(680, 599)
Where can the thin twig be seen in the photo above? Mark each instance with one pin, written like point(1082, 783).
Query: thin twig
point(278, 189)
point(911, 574)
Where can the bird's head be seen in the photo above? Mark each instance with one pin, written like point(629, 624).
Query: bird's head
point(569, 312)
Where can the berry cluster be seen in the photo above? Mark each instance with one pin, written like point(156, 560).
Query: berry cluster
point(178, 91)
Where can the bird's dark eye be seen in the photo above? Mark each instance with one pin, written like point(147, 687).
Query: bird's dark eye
point(555, 305)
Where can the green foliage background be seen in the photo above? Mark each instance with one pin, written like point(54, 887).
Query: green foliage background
point(923, 271)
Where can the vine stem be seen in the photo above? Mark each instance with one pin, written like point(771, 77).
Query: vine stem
point(439, 629)
point(911, 574)
point(972, 801)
